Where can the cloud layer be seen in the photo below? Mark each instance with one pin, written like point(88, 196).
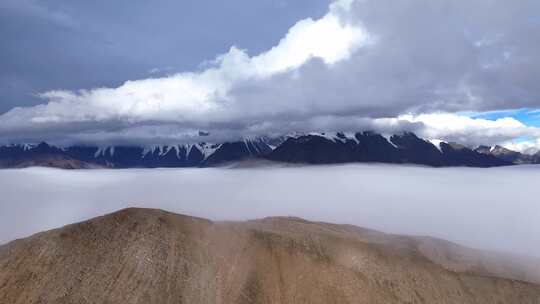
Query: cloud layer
point(365, 64)
point(484, 208)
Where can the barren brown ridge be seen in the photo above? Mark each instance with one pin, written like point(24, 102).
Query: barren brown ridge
point(152, 256)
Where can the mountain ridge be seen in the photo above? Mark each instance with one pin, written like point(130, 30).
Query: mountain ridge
point(152, 256)
point(310, 148)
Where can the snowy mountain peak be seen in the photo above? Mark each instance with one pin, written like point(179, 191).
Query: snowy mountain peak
point(436, 143)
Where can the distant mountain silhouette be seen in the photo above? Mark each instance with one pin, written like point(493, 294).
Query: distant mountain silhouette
point(509, 155)
point(405, 148)
point(312, 148)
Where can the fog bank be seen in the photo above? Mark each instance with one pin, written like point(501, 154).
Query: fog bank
point(494, 208)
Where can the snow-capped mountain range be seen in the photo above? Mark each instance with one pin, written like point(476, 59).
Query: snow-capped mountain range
point(310, 148)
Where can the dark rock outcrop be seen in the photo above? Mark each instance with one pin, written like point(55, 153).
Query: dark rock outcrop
point(456, 154)
point(415, 150)
point(405, 148)
point(313, 149)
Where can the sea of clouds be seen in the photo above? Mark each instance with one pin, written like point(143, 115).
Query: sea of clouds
point(496, 209)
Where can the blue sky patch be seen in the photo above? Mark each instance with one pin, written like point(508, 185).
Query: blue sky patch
point(529, 117)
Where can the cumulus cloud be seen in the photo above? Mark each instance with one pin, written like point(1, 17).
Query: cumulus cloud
point(194, 98)
point(365, 62)
point(475, 131)
point(527, 146)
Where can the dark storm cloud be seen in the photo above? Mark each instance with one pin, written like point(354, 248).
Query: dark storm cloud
point(429, 55)
point(362, 62)
point(52, 44)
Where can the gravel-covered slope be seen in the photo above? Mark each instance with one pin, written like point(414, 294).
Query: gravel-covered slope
point(151, 256)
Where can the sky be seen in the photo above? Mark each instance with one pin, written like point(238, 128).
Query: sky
point(479, 208)
point(139, 71)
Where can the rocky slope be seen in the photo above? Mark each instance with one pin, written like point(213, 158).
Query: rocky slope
point(509, 155)
point(164, 156)
point(151, 256)
point(41, 155)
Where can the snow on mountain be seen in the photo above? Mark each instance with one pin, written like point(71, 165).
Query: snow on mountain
point(310, 147)
point(436, 143)
point(102, 151)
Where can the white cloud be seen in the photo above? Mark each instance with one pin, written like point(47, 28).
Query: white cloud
point(473, 131)
point(327, 38)
point(527, 146)
point(197, 97)
point(361, 61)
